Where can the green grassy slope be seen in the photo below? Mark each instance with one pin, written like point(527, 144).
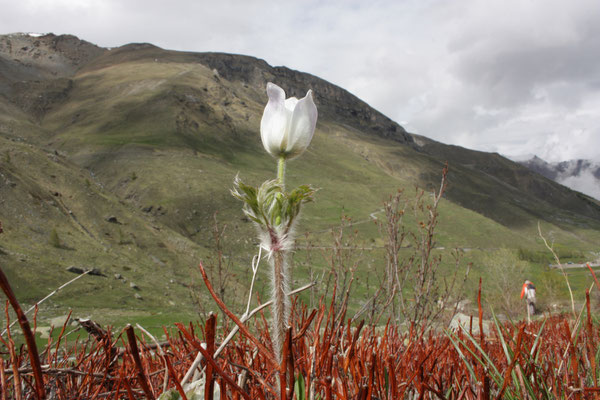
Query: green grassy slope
point(43, 192)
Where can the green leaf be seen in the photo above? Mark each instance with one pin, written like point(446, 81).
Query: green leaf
point(299, 389)
point(171, 394)
point(269, 206)
point(461, 354)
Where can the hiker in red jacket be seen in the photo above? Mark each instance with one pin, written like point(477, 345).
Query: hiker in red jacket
point(528, 291)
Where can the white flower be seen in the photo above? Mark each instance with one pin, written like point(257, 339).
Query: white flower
point(287, 125)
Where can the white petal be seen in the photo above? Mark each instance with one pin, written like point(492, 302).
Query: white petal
point(290, 103)
point(274, 122)
point(302, 126)
point(275, 93)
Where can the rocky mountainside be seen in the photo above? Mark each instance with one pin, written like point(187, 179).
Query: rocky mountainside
point(31, 57)
point(118, 159)
point(580, 175)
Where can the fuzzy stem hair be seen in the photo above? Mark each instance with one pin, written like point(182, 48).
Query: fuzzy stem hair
point(281, 172)
point(281, 301)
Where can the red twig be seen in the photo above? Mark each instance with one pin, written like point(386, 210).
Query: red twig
point(283, 366)
point(594, 275)
point(590, 338)
point(138, 363)
point(305, 325)
point(209, 336)
point(31, 346)
point(261, 348)
point(175, 379)
point(215, 366)
point(289, 360)
point(127, 386)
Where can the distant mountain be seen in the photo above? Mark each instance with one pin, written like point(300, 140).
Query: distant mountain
point(580, 175)
point(118, 159)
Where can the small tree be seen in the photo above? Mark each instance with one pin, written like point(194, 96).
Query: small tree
point(343, 259)
point(506, 276)
point(219, 269)
point(412, 287)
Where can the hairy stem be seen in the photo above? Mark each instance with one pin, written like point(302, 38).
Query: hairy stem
point(281, 303)
point(281, 172)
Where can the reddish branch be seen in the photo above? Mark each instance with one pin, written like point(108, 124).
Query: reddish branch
point(30, 340)
point(138, 363)
point(261, 348)
point(594, 275)
point(213, 363)
point(209, 336)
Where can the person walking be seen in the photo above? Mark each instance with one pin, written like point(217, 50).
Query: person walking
point(528, 291)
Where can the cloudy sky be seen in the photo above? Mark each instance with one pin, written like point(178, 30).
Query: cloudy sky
point(513, 76)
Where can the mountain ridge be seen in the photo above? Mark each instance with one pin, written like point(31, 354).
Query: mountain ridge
point(251, 70)
point(45, 56)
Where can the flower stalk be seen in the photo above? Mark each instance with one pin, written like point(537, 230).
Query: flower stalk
point(286, 130)
point(281, 301)
point(281, 171)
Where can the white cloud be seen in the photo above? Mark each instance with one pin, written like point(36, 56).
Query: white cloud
point(584, 183)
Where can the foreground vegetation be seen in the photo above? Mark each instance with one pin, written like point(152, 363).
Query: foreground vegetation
point(325, 357)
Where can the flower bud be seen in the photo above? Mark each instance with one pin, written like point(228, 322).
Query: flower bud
point(287, 125)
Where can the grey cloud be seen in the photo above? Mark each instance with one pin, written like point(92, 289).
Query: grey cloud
point(585, 182)
point(512, 67)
